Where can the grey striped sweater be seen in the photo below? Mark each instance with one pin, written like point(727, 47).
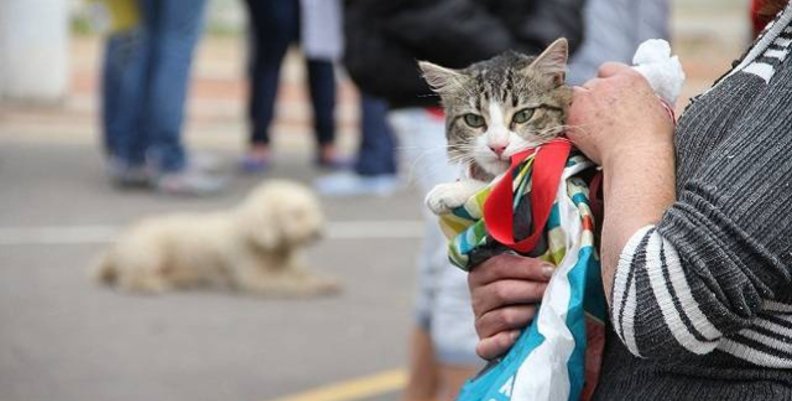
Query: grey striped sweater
point(702, 302)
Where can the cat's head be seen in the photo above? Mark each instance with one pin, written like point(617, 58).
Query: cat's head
point(499, 107)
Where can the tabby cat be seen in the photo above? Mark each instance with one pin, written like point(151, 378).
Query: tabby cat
point(495, 109)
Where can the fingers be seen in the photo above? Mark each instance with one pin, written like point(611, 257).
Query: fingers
point(579, 90)
point(611, 68)
point(510, 267)
point(497, 345)
point(506, 293)
point(505, 319)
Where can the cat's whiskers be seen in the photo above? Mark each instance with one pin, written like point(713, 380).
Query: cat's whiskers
point(433, 167)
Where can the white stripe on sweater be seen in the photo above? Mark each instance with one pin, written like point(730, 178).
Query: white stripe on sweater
point(620, 289)
point(629, 321)
point(682, 290)
point(671, 316)
point(763, 70)
point(772, 32)
point(775, 328)
point(777, 307)
point(771, 342)
point(753, 355)
point(782, 42)
point(776, 54)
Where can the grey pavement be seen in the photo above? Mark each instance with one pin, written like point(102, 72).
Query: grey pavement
point(62, 338)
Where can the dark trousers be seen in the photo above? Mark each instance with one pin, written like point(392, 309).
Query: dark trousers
point(377, 153)
point(275, 25)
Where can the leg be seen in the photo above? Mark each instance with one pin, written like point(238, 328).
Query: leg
point(286, 282)
point(377, 152)
point(375, 170)
point(454, 337)
point(321, 81)
point(176, 27)
point(452, 333)
point(122, 81)
point(111, 86)
point(453, 378)
point(423, 382)
point(274, 26)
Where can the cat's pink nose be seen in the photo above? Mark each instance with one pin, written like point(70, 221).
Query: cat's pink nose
point(498, 149)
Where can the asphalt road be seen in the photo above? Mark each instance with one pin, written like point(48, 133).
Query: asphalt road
point(63, 338)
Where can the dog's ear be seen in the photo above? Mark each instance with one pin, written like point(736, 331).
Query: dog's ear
point(267, 235)
point(260, 226)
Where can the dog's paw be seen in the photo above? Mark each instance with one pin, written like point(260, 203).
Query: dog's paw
point(326, 287)
point(444, 198)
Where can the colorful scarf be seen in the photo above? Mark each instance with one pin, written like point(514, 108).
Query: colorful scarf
point(541, 208)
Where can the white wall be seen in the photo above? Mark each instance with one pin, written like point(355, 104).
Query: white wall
point(34, 50)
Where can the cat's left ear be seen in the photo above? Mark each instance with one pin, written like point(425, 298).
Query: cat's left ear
point(441, 79)
point(553, 61)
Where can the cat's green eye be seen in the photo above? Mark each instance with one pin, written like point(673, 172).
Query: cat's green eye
point(474, 120)
point(522, 116)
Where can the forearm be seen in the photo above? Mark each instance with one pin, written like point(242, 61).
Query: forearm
point(638, 186)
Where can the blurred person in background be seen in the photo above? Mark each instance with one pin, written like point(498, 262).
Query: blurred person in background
point(144, 88)
point(614, 29)
point(275, 26)
point(695, 224)
point(383, 41)
point(375, 169)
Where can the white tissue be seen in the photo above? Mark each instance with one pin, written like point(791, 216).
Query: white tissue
point(664, 72)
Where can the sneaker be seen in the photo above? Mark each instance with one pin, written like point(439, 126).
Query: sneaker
point(328, 158)
point(346, 184)
point(125, 176)
point(189, 183)
point(256, 159)
point(334, 163)
point(254, 165)
point(207, 162)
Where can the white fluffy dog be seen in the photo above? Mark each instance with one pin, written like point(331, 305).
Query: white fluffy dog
point(250, 248)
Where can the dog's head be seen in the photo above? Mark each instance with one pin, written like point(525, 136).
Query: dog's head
point(281, 214)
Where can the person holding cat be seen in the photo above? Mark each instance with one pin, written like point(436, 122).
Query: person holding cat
point(383, 40)
point(696, 249)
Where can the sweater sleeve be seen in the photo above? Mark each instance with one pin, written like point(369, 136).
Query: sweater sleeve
point(720, 253)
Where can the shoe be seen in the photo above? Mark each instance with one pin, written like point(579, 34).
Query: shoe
point(254, 165)
point(189, 182)
point(334, 163)
point(346, 184)
point(209, 163)
point(123, 175)
point(256, 160)
point(327, 158)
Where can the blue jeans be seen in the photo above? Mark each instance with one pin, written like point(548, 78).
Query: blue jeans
point(275, 25)
point(145, 79)
point(377, 152)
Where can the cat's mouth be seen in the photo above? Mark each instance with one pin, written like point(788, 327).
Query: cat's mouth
point(495, 165)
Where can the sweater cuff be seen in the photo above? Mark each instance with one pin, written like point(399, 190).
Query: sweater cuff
point(649, 265)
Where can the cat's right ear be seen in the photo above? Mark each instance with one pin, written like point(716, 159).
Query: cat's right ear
point(440, 79)
point(553, 61)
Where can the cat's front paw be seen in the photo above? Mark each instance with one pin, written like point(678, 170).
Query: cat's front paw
point(446, 197)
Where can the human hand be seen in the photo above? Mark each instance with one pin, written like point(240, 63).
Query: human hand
point(618, 113)
point(504, 291)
